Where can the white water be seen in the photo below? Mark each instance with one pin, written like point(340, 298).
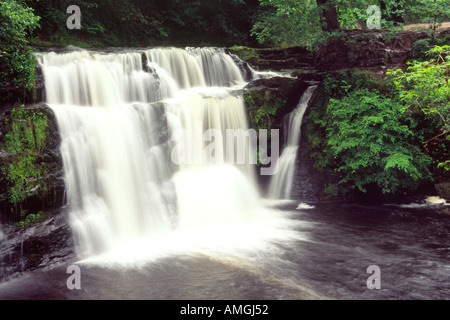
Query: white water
point(126, 179)
point(281, 183)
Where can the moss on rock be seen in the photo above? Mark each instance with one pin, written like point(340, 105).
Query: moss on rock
point(30, 163)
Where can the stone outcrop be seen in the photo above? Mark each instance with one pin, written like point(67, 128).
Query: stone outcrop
point(370, 50)
point(283, 91)
point(295, 61)
point(39, 247)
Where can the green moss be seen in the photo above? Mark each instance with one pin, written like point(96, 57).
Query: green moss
point(26, 136)
point(245, 53)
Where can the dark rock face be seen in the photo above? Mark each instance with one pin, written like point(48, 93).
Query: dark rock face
point(296, 61)
point(308, 183)
point(36, 248)
point(286, 90)
point(40, 85)
point(367, 50)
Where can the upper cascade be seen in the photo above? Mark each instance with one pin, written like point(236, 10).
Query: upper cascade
point(90, 78)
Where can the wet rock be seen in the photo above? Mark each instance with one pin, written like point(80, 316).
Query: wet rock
point(39, 247)
point(279, 59)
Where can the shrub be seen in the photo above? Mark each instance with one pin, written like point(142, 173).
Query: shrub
point(360, 134)
point(369, 136)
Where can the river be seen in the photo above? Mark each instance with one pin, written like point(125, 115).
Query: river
point(336, 244)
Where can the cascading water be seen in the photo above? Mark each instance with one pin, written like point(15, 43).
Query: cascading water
point(281, 183)
point(125, 178)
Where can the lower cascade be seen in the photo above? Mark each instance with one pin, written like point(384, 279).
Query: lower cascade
point(133, 147)
point(281, 183)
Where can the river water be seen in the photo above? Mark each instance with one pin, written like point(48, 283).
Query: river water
point(326, 257)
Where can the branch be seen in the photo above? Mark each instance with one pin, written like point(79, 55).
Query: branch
point(436, 137)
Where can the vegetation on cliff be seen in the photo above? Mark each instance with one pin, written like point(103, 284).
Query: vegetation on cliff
point(17, 64)
point(29, 164)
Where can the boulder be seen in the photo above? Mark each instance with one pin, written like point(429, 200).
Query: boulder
point(443, 190)
point(36, 248)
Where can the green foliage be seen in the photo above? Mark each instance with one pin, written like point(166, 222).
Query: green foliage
point(144, 23)
point(425, 85)
point(424, 89)
point(298, 22)
point(421, 47)
point(245, 53)
point(30, 220)
point(332, 190)
point(360, 133)
point(286, 23)
point(444, 165)
point(262, 109)
point(17, 21)
point(373, 143)
point(20, 71)
point(428, 11)
point(17, 68)
point(25, 139)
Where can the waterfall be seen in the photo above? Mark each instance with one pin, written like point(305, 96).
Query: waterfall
point(133, 145)
point(281, 184)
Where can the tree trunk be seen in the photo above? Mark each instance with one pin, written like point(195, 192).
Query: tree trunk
point(329, 15)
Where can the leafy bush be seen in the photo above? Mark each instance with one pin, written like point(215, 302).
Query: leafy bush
point(25, 139)
point(262, 108)
point(421, 48)
point(360, 133)
point(31, 220)
point(369, 136)
point(17, 71)
point(425, 92)
point(17, 22)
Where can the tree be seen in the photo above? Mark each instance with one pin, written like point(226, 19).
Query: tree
point(424, 88)
point(295, 22)
point(146, 23)
point(286, 22)
point(428, 11)
point(327, 9)
point(17, 21)
point(17, 70)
